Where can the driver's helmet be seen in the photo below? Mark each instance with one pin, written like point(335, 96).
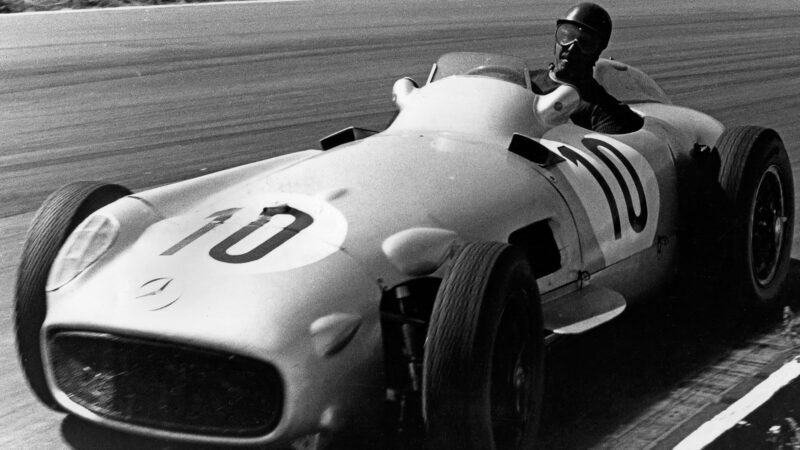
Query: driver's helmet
point(591, 16)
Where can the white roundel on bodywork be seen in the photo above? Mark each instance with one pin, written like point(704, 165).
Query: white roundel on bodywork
point(276, 232)
point(617, 188)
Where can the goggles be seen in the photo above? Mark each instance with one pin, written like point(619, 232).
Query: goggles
point(588, 41)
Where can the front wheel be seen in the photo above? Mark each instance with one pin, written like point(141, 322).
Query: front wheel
point(58, 216)
point(483, 363)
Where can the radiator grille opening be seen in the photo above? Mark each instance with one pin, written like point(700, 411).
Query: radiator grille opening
point(167, 386)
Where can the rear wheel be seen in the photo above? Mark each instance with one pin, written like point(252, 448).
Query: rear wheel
point(483, 365)
point(58, 216)
point(756, 180)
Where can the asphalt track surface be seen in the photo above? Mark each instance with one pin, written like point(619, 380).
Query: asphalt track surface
point(149, 96)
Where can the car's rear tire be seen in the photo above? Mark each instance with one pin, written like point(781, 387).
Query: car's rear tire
point(56, 218)
point(758, 189)
point(483, 363)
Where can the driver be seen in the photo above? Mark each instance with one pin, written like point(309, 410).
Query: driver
point(581, 35)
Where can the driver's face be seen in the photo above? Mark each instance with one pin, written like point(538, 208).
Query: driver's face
point(571, 63)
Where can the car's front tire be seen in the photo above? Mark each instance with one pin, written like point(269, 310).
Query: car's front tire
point(483, 363)
point(56, 218)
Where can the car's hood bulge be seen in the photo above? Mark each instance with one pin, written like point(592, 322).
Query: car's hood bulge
point(351, 198)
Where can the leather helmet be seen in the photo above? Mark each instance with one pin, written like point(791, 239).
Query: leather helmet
point(591, 16)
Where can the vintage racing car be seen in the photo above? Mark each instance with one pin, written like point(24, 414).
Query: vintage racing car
point(416, 273)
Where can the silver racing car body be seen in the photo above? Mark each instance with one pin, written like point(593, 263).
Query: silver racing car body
point(250, 306)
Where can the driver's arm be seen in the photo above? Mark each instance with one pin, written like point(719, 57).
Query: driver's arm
point(603, 113)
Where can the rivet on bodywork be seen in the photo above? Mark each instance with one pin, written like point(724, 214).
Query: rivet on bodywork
point(333, 332)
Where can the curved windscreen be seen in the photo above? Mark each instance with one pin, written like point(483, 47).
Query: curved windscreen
point(501, 67)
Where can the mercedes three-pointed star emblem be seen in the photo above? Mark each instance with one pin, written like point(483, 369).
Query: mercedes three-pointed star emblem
point(158, 293)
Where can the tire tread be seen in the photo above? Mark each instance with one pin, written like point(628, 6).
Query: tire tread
point(461, 305)
point(58, 215)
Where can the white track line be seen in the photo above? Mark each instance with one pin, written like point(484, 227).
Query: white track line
point(134, 7)
point(727, 419)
